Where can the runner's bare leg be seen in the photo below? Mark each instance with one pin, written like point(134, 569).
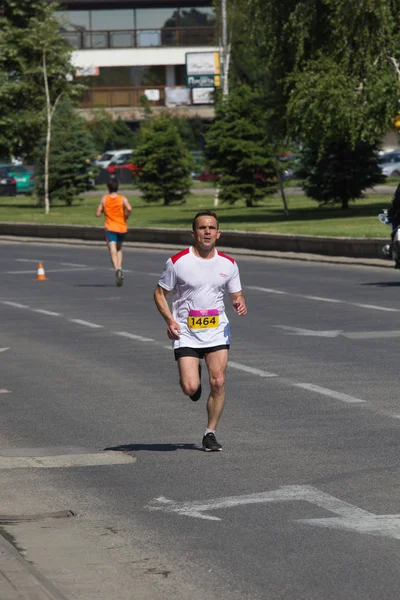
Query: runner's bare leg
point(216, 364)
point(188, 367)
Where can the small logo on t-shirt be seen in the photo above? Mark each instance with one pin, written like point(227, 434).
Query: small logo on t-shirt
point(223, 275)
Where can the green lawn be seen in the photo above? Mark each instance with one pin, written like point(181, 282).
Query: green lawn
point(361, 220)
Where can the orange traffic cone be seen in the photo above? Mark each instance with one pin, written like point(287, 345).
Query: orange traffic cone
point(41, 275)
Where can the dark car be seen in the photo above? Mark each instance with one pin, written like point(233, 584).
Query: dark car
point(8, 185)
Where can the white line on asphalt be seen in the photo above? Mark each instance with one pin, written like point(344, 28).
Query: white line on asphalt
point(4, 349)
point(324, 299)
point(289, 493)
point(133, 336)
point(67, 460)
point(72, 264)
point(33, 260)
point(46, 312)
point(86, 323)
point(15, 304)
point(307, 297)
point(331, 393)
point(4, 391)
point(268, 290)
point(168, 347)
point(48, 271)
point(252, 370)
point(375, 307)
point(371, 335)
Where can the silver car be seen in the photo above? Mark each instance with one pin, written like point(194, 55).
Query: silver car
point(390, 164)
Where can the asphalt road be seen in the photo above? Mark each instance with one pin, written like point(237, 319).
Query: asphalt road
point(302, 503)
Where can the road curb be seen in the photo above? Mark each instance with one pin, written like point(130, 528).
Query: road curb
point(285, 246)
point(20, 580)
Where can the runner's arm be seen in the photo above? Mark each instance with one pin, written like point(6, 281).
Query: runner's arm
point(100, 208)
point(160, 299)
point(127, 207)
point(239, 303)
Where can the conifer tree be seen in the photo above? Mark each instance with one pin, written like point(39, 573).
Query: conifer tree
point(237, 148)
point(165, 164)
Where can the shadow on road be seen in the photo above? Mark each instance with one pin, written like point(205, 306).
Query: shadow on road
point(152, 447)
point(384, 283)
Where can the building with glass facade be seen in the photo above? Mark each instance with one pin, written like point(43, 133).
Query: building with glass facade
point(138, 48)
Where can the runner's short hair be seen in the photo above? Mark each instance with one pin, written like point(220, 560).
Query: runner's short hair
point(112, 185)
point(204, 213)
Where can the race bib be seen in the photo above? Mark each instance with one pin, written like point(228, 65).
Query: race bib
point(203, 319)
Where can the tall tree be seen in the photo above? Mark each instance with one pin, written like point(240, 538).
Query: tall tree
point(32, 56)
point(165, 164)
point(237, 147)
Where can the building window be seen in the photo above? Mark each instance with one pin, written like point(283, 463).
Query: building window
point(74, 20)
point(203, 16)
point(112, 20)
point(150, 22)
point(129, 77)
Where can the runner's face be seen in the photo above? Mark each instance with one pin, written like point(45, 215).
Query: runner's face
point(206, 232)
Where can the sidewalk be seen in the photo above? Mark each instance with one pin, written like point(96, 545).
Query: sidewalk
point(19, 580)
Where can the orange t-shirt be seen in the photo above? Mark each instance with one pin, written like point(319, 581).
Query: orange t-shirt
point(115, 214)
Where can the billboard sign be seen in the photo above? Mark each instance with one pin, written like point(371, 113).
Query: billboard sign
point(202, 63)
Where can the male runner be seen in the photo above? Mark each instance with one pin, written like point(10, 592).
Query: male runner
point(116, 209)
point(199, 276)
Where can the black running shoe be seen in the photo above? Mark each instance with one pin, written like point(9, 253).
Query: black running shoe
point(120, 277)
point(197, 394)
point(210, 443)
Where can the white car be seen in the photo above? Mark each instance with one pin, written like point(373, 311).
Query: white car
point(390, 164)
point(113, 155)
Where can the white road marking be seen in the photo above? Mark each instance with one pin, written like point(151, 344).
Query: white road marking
point(48, 271)
point(370, 335)
point(46, 312)
point(334, 300)
point(309, 332)
point(15, 304)
point(66, 460)
point(307, 297)
point(375, 307)
point(289, 493)
point(133, 336)
point(168, 347)
point(4, 349)
point(370, 524)
point(33, 260)
point(251, 370)
point(66, 264)
point(268, 290)
point(331, 393)
point(86, 323)
point(4, 391)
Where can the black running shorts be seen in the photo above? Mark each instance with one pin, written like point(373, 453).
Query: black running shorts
point(198, 352)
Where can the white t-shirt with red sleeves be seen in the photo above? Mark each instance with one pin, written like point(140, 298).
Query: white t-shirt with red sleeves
point(199, 286)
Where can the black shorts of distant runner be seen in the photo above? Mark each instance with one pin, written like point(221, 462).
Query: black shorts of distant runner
point(198, 352)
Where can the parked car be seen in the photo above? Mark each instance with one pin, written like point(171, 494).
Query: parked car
point(390, 164)
point(8, 185)
point(25, 179)
point(112, 155)
point(122, 162)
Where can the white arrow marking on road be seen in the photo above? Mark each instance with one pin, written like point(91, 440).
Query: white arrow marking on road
point(350, 517)
point(379, 525)
point(371, 335)
point(289, 493)
point(4, 349)
point(310, 332)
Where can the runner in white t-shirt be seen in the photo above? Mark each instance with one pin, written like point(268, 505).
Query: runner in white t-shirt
point(199, 277)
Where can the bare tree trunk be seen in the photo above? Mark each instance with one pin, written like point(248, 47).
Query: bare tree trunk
point(281, 189)
point(49, 112)
point(48, 138)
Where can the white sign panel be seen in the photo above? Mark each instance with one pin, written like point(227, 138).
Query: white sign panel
point(202, 63)
point(203, 95)
point(89, 71)
point(175, 96)
point(153, 95)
